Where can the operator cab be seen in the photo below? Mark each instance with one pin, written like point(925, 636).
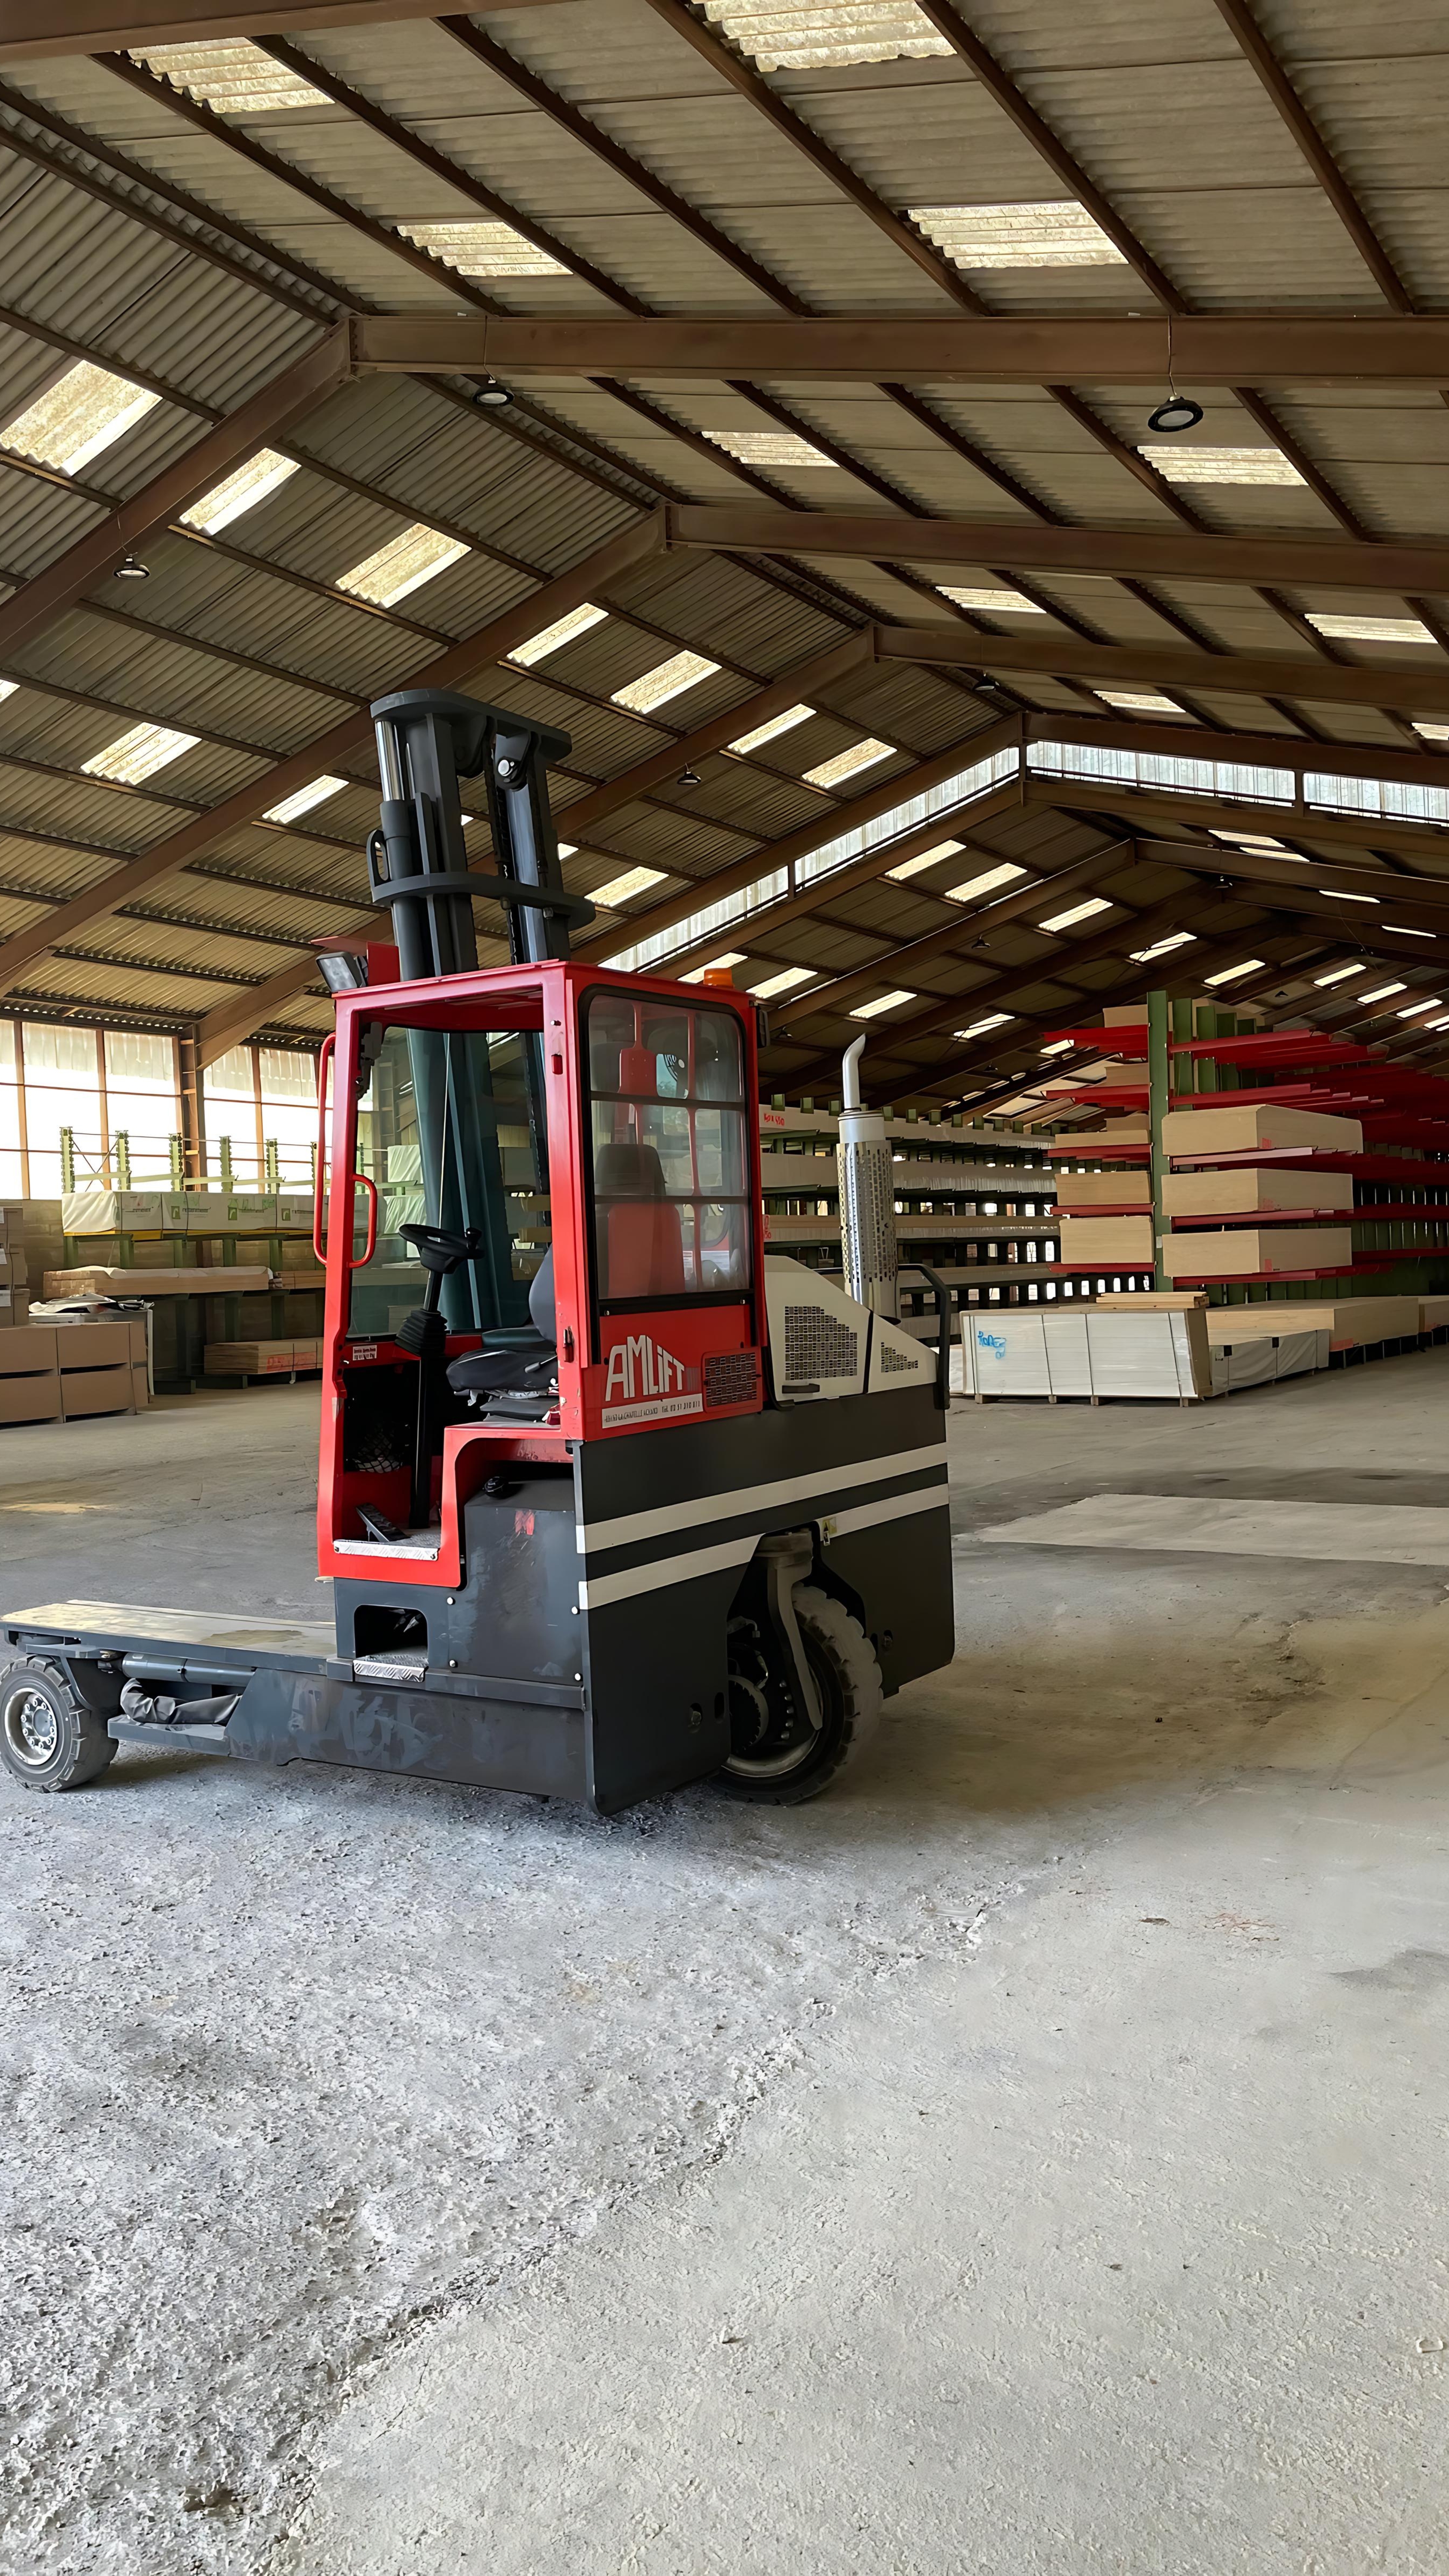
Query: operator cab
point(543, 1227)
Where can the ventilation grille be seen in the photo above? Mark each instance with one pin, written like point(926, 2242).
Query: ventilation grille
point(732, 1377)
point(894, 1363)
point(818, 1345)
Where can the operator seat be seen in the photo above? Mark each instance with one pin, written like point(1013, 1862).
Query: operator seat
point(641, 1243)
point(528, 1367)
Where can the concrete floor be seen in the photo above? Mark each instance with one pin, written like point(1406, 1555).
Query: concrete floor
point(1029, 2158)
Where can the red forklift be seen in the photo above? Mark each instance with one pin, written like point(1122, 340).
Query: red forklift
point(612, 1500)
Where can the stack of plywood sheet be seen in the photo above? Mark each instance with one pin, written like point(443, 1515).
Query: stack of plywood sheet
point(261, 1358)
point(1247, 1189)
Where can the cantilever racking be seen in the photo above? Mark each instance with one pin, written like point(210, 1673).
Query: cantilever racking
point(1400, 1174)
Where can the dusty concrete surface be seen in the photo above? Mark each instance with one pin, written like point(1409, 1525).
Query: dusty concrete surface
point(403, 2177)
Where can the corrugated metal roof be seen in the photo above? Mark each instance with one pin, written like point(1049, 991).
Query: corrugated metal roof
point(1165, 114)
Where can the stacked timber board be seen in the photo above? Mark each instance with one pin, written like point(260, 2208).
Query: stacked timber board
point(1247, 1189)
point(283, 1358)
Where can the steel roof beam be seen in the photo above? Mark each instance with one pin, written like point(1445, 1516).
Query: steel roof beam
point(975, 348)
point(34, 29)
point(1133, 806)
point(1171, 666)
point(1394, 568)
point(1316, 153)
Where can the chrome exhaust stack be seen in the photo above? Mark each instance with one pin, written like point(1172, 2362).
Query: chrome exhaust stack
point(867, 1195)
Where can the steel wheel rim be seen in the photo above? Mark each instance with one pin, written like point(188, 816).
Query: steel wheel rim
point(780, 1766)
point(31, 1726)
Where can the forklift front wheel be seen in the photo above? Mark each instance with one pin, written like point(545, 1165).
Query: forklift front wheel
point(783, 1767)
point(49, 1737)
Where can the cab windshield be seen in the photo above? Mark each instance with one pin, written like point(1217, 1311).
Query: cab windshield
point(669, 1167)
point(451, 1131)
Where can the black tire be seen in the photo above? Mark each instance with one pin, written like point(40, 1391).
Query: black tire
point(49, 1737)
point(848, 1678)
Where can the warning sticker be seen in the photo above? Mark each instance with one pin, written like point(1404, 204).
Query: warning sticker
point(654, 1408)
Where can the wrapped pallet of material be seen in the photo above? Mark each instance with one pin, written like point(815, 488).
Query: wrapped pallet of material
point(1252, 1252)
point(1161, 1355)
point(1088, 1190)
point(1247, 1189)
point(1115, 1241)
point(1257, 1124)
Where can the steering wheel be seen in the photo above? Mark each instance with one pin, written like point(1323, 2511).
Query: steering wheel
point(438, 1249)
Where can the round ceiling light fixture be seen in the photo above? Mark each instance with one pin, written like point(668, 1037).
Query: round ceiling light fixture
point(1178, 412)
point(130, 570)
point(687, 778)
point(493, 396)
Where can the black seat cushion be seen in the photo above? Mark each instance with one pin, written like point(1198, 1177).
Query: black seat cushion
point(493, 1372)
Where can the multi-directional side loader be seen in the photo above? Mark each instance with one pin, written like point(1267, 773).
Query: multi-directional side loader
point(611, 1499)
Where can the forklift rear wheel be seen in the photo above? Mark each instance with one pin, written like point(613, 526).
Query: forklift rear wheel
point(779, 1763)
point(49, 1737)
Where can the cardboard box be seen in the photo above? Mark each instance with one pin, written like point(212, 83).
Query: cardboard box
point(14, 1268)
point(85, 1391)
point(1087, 1190)
point(1108, 1239)
point(1225, 1130)
point(140, 1388)
point(14, 1307)
point(1433, 1314)
point(115, 1212)
point(27, 1349)
point(1255, 1186)
point(34, 1397)
point(1247, 1251)
point(94, 1344)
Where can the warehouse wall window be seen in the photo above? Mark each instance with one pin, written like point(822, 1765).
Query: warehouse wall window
point(106, 1086)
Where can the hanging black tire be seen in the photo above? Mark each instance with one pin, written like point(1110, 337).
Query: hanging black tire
point(776, 1761)
point(49, 1737)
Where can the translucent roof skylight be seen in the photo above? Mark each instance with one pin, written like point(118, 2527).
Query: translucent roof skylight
point(767, 447)
point(1414, 1008)
point(302, 800)
point(1381, 992)
point(1142, 702)
point(402, 565)
point(667, 680)
point(882, 1002)
point(620, 889)
point(1056, 234)
point(234, 77)
point(978, 1028)
point(812, 35)
point(139, 753)
point(777, 725)
point(552, 639)
point(241, 491)
point(1229, 974)
point(786, 981)
point(478, 248)
point(992, 603)
point(84, 411)
point(1076, 912)
point(927, 859)
point(1340, 975)
point(845, 764)
point(1182, 464)
point(1161, 947)
point(1371, 630)
point(1431, 732)
point(986, 883)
